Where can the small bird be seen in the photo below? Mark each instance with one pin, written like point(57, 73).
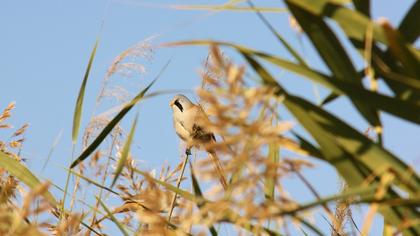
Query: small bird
point(188, 119)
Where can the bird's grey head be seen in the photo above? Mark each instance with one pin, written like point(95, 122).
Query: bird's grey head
point(180, 102)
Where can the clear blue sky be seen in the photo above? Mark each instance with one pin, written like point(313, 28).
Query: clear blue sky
point(45, 46)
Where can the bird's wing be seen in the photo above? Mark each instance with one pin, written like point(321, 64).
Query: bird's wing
point(198, 130)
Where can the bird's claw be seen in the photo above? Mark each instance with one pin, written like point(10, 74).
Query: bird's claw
point(188, 151)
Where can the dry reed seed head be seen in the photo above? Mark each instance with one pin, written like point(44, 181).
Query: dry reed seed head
point(20, 131)
point(9, 219)
point(13, 218)
point(70, 225)
point(8, 186)
point(129, 69)
point(6, 112)
point(153, 223)
point(30, 198)
point(5, 126)
point(153, 198)
point(95, 126)
point(206, 215)
point(235, 74)
point(117, 92)
point(16, 143)
point(4, 146)
point(214, 66)
point(125, 65)
point(143, 49)
point(217, 58)
point(96, 157)
point(342, 213)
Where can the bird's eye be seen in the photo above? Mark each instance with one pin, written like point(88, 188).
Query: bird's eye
point(178, 104)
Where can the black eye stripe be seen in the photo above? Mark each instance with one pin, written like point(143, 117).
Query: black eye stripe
point(178, 104)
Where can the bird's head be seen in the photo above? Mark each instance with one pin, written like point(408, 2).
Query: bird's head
point(180, 102)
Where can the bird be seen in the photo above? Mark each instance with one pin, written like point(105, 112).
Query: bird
point(188, 119)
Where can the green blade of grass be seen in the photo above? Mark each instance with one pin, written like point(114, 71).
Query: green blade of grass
point(22, 173)
point(334, 55)
point(77, 116)
point(384, 64)
point(356, 144)
point(409, 26)
point(309, 147)
point(350, 139)
point(279, 37)
point(398, 47)
point(404, 81)
point(397, 201)
point(125, 152)
point(362, 6)
point(108, 128)
point(400, 108)
point(410, 30)
point(353, 23)
point(331, 97)
point(79, 103)
point(349, 151)
point(338, 150)
point(327, 44)
point(113, 219)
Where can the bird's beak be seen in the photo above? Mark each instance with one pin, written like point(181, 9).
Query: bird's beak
point(171, 103)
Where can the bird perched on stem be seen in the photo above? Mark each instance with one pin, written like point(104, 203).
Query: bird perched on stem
point(188, 119)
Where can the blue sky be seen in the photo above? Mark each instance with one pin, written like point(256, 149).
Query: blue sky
point(45, 46)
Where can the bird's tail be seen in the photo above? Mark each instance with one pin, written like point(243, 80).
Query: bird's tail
point(219, 169)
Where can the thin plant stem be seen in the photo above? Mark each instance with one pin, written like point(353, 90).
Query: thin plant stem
point(73, 197)
point(103, 181)
point(62, 213)
point(178, 183)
